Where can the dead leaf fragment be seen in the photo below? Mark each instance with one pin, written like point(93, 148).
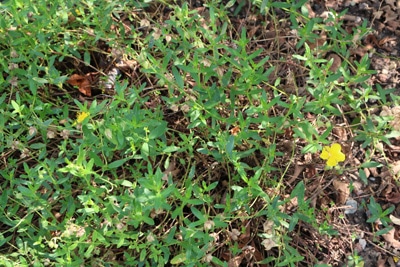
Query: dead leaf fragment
point(337, 130)
point(234, 234)
point(394, 220)
point(393, 197)
point(82, 82)
point(236, 261)
point(389, 237)
point(51, 134)
point(343, 191)
point(268, 244)
point(337, 61)
point(235, 130)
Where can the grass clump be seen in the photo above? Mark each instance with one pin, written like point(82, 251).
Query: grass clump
point(192, 157)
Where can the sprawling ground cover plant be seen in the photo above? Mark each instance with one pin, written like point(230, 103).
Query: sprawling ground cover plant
point(182, 139)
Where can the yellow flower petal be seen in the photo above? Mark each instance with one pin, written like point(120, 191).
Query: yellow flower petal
point(325, 153)
point(335, 148)
point(331, 162)
point(336, 153)
point(340, 156)
point(332, 155)
point(81, 116)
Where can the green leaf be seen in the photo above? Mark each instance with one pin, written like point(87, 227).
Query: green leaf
point(298, 192)
point(89, 251)
point(117, 163)
point(40, 80)
point(86, 57)
point(145, 150)
point(197, 213)
point(158, 131)
point(127, 183)
point(230, 145)
point(37, 146)
point(25, 191)
point(170, 149)
point(371, 164)
point(178, 259)
point(178, 77)
point(393, 134)
point(280, 4)
point(15, 105)
point(384, 231)
point(4, 240)
point(2, 98)
point(363, 176)
point(311, 148)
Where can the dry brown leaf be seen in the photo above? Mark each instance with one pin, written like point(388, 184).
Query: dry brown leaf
point(340, 132)
point(396, 167)
point(234, 234)
point(389, 237)
point(361, 51)
point(394, 219)
point(311, 13)
point(310, 171)
point(236, 261)
point(82, 82)
point(393, 197)
point(127, 64)
point(298, 169)
point(337, 61)
point(386, 40)
point(235, 130)
point(343, 191)
point(378, 14)
point(371, 40)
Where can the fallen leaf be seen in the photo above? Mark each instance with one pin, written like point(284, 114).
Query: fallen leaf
point(311, 13)
point(51, 134)
point(343, 191)
point(393, 197)
point(127, 64)
point(235, 130)
point(234, 234)
point(337, 61)
point(394, 220)
point(389, 237)
point(268, 244)
point(82, 82)
point(381, 262)
point(396, 167)
point(236, 261)
point(337, 130)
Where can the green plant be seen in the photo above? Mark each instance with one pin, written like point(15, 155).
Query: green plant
point(355, 260)
point(377, 213)
point(186, 160)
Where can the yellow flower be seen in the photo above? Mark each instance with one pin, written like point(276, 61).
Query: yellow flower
point(332, 155)
point(81, 116)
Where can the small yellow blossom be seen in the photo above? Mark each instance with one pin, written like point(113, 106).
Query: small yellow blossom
point(81, 116)
point(332, 155)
